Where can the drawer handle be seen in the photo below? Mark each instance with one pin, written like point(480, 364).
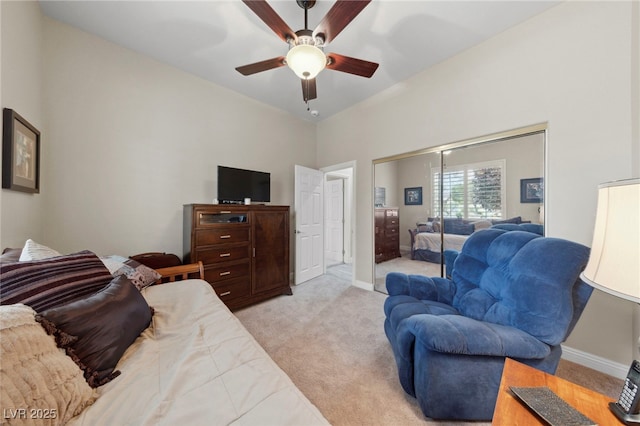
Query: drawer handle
point(225, 211)
point(226, 293)
point(225, 254)
point(222, 274)
point(225, 236)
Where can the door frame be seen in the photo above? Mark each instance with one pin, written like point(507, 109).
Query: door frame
point(351, 194)
point(333, 181)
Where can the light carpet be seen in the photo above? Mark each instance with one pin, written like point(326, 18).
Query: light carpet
point(406, 265)
point(329, 338)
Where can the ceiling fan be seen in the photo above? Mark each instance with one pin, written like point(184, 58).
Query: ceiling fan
point(306, 57)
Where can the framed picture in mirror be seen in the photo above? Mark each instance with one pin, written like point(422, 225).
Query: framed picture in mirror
point(413, 196)
point(531, 190)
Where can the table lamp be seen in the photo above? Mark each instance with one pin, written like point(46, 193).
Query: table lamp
point(614, 262)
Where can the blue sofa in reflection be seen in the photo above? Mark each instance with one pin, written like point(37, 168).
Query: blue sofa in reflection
point(511, 294)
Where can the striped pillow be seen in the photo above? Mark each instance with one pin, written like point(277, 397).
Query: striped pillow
point(48, 283)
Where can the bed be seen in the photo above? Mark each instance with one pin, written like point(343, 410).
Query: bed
point(192, 363)
point(426, 236)
point(197, 364)
point(426, 246)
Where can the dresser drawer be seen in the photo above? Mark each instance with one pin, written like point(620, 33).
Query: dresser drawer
point(217, 217)
point(391, 233)
point(216, 274)
point(206, 237)
point(233, 289)
point(222, 254)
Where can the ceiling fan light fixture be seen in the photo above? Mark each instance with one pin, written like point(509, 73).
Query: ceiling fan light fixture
point(306, 60)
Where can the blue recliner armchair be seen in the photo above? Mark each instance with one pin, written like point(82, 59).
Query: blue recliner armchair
point(511, 294)
point(450, 254)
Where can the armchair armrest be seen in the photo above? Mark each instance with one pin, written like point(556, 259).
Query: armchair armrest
point(181, 272)
point(457, 334)
point(421, 287)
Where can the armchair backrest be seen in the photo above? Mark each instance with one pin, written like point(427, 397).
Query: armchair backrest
point(523, 280)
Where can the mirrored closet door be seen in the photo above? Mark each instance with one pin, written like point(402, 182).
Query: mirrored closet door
point(473, 184)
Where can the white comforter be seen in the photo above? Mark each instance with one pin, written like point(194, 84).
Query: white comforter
point(197, 365)
point(431, 241)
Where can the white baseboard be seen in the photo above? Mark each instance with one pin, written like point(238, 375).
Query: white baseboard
point(363, 285)
point(594, 362)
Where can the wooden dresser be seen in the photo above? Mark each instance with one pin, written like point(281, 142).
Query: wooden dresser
point(244, 249)
point(387, 234)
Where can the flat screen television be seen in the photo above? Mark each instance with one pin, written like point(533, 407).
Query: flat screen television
point(234, 185)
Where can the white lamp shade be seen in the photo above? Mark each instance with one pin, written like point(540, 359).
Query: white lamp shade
point(614, 263)
point(306, 61)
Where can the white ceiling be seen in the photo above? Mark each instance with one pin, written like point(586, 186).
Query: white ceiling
point(211, 38)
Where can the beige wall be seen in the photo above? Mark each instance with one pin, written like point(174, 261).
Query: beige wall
point(570, 67)
point(128, 140)
point(145, 138)
point(414, 172)
point(386, 176)
point(22, 75)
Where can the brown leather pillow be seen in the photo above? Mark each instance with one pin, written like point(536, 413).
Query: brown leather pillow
point(97, 330)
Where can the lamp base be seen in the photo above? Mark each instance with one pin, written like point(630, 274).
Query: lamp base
point(627, 419)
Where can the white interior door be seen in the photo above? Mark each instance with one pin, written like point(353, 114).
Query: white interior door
point(309, 223)
point(334, 222)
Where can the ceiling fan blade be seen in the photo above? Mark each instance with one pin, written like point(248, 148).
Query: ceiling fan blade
point(351, 65)
point(309, 89)
point(271, 18)
point(261, 66)
point(338, 17)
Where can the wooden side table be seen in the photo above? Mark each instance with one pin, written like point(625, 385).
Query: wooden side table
point(510, 411)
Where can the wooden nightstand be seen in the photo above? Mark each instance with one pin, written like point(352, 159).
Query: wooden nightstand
point(510, 411)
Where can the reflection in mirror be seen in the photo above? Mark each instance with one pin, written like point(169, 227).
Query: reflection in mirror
point(483, 185)
point(396, 221)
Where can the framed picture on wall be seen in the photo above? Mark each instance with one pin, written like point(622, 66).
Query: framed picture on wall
point(531, 190)
point(413, 196)
point(20, 154)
